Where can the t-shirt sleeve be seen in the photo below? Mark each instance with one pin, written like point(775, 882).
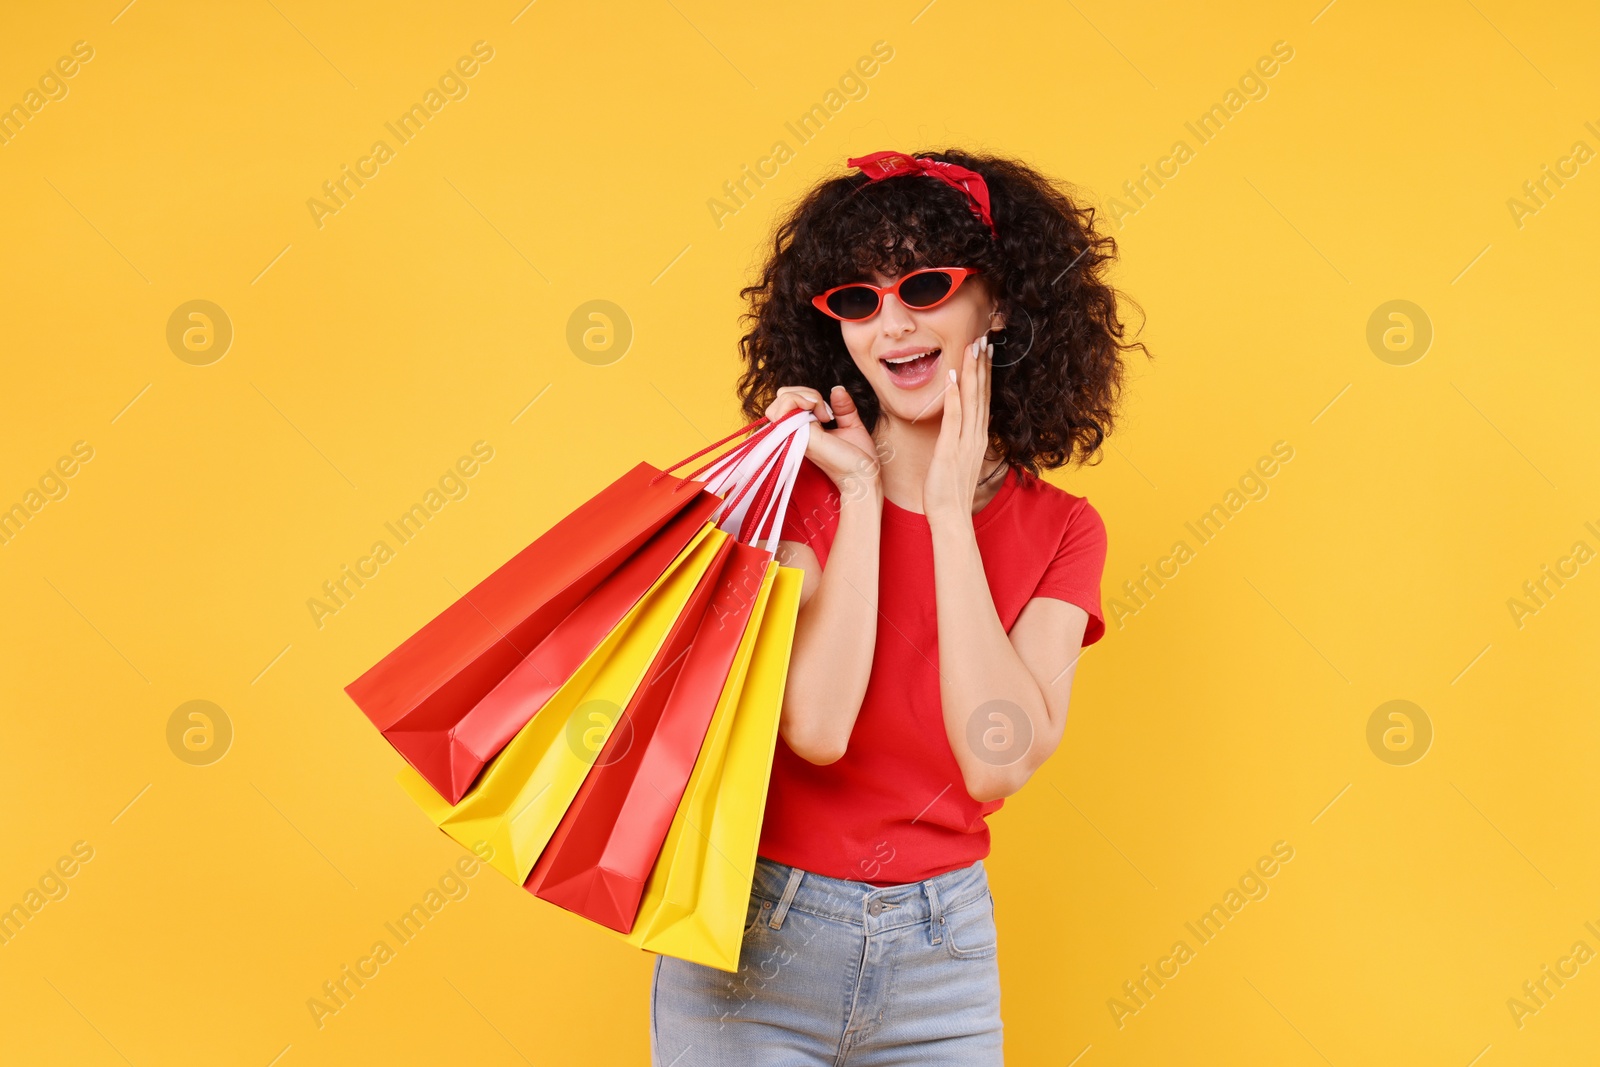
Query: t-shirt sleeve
point(1074, 573)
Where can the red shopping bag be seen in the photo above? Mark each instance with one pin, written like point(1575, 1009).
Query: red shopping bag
point(599, 858)
point(422, 688)
point(420, 692)
point(467, 746)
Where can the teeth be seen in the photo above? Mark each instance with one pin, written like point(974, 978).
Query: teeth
point(908, 359)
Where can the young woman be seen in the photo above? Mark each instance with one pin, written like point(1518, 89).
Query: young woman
point(947, 315)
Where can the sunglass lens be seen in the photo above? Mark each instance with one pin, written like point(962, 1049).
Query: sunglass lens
point(854, 302)
point(922, 290)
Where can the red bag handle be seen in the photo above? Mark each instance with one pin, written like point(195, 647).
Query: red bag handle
point(745, 447)
point(764, 479)
point(737, 433)
point(766, 426)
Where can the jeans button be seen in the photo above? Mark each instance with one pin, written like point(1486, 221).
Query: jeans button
point(876, 907)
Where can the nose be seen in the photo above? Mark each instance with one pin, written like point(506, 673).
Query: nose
point(897, 319)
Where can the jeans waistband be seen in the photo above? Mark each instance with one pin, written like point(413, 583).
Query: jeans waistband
point(863, 904)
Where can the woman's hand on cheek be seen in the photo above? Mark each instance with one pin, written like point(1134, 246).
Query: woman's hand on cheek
point(952, 483)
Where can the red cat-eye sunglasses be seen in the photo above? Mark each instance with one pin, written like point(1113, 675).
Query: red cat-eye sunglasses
point(921, 290)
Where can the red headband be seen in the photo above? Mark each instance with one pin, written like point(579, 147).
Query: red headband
point(880, 165)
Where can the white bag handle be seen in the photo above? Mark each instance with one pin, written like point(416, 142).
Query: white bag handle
point(743, 465)
point(779, 503)
point(729, 478)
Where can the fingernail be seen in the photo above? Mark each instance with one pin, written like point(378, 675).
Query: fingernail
point(952, 376)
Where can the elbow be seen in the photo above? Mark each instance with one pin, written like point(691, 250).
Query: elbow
point(824, 756)
point(997, 783)
point(987, 782)
point(815, 747)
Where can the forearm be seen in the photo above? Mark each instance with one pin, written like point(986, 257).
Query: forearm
point(835, 635)
point(994, 712)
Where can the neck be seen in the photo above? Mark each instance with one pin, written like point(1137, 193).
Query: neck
point(907, 448)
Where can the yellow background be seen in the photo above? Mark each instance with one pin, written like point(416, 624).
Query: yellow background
point(1229, 713)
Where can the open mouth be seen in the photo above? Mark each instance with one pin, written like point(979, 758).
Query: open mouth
point(912, 371)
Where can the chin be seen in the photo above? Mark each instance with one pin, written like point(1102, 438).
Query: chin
point(921, 407)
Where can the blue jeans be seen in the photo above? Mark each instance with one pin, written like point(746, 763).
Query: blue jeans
point(841, 973)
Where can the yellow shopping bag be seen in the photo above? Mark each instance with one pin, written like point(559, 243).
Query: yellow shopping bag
point(694, 902)
point(522, 795)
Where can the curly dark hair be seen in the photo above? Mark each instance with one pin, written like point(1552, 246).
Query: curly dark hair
point(1058, 374)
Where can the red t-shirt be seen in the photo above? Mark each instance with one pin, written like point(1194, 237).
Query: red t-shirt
point(893, 808)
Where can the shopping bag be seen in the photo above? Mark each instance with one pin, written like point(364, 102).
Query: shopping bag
point(522, 795)
point(695, 899)
point(489, 725)
point(424, 695)
point(433, 678)
point(598, 859)
point(459, 752)
point(600, 856)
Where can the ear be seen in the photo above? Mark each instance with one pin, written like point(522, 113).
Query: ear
point(997, 320)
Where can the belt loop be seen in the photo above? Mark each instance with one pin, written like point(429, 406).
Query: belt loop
point(776, 922)
point(936, 916)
